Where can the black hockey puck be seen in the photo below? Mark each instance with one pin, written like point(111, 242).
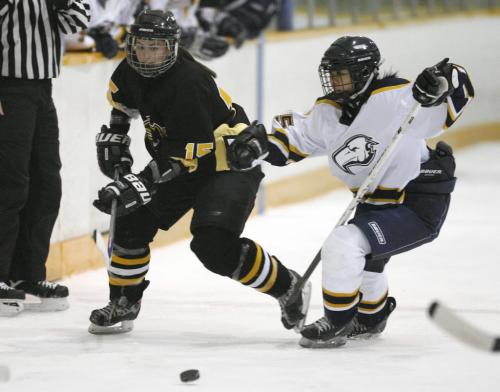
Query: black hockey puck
point(190, 375)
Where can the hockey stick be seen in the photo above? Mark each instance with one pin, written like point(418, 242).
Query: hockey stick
point(112, 220)
point(106, 251)
point(360, 194)
point(461, 329)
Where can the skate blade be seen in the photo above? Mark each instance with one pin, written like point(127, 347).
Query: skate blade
point(124, 327)
point(306, 300)
point(365, 336)
point(47, 305)
point(334, 343)
point(11, 307)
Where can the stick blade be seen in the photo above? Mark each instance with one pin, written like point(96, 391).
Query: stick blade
point(445, 318)
point(101, 245)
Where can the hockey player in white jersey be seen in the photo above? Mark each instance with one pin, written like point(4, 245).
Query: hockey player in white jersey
point(209, 27)
point(353, 124)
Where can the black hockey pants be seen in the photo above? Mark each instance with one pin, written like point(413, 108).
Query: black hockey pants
point(30, 183)
point(419, 219)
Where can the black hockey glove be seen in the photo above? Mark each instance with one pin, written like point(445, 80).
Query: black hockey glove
point(104, 42)
point(255, 15)
point(203, 45)
point(222, 24)
point(434, 84)
point(113, 151)
point(131, 191)
point(249, 148)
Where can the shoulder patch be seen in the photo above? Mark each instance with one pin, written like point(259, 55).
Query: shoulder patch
point(285, 120)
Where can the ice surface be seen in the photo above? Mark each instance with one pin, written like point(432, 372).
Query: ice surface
point(194, 319)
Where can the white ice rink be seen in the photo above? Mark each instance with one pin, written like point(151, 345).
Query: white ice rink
point(194, 319)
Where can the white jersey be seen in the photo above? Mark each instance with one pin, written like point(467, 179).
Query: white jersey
point(353, 150)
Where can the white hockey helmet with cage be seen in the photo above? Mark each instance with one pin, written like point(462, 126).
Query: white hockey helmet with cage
point(153, 42)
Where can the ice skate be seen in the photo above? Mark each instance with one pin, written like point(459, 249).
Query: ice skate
point(11, 300)
point(119, 314)
point(323, 334)
point(50, 297)
point(371, 326)
point(294, 315)
point(119, 311)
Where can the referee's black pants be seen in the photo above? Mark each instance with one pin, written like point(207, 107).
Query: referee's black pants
point(30, 183)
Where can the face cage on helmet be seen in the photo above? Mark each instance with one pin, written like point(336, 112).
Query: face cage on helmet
point(360, 76)
point(160, 64)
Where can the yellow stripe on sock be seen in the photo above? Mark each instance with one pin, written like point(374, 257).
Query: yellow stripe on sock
point(123, 261)
point(256, 266)
point(125, 282)
point(272, 279)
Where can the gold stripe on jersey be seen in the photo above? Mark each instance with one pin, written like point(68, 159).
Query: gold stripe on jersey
point(271, 278)
point(383, 195)
point(328, 102)
point(388, 88)
point(255, 268)
point(279, 144)
point(223, 135)
point(134, 113)
point(226, 98)
point(288, 150)
point(339, 301)
point(370, 307)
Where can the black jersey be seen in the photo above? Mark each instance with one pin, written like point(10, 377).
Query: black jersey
point(183, 112)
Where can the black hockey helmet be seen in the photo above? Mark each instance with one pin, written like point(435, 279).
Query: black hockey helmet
point(152, 42)
point(348, 67)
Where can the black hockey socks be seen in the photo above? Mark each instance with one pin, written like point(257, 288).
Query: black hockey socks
point(261, 271)
point(224, 253)
point(128, 267)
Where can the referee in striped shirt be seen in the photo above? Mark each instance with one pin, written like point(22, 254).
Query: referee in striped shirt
point(31, 49)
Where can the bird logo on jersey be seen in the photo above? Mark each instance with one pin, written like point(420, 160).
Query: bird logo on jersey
point(358, 150)
point(154, 132)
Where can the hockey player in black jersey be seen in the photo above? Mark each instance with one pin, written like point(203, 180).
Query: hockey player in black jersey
point(406, 204)
point(188, 123)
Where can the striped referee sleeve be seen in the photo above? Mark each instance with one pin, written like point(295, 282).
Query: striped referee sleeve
point(31, 45)
point(75, 17)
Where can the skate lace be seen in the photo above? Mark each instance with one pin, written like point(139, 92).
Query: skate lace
point(108, 309)
point(358, 328)
point(285, 297)
point(322, 324)
point(47, 284)
point(5, 286)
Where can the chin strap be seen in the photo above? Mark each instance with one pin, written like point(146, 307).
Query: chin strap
point(352, 105)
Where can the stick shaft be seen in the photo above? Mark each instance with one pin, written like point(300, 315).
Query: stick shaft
point(112, 220)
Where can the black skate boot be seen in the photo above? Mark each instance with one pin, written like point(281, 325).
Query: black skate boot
point(122, 309)
point(52, 296)
point(323, 334)
point(11, 300)
point(293, 315)
point(371, 326)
